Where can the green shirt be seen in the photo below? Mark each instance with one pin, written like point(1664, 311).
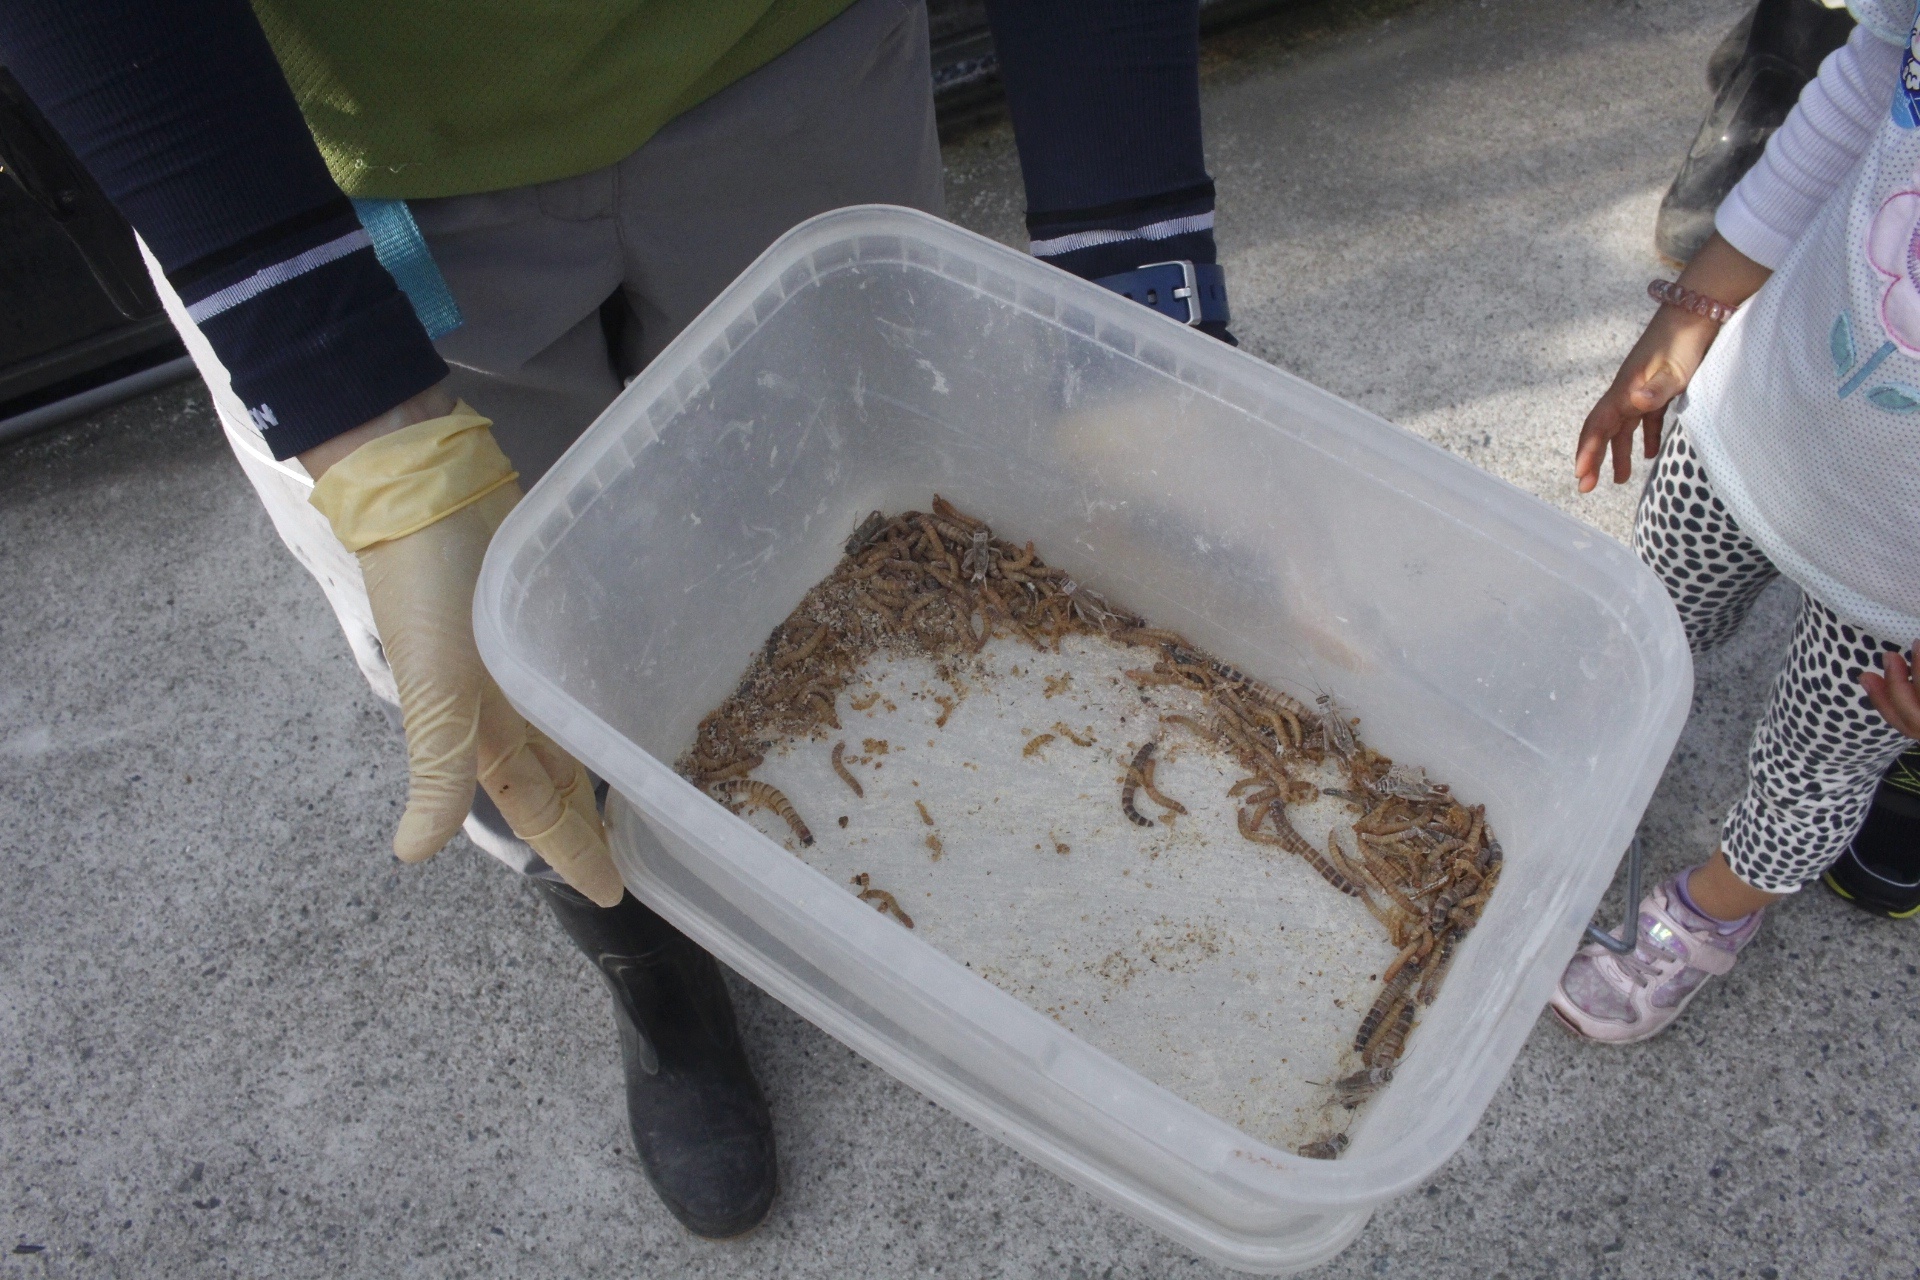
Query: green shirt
point(417, 98)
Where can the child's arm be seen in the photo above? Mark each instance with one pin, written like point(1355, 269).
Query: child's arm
point(1808, 157)
point(1662, 363)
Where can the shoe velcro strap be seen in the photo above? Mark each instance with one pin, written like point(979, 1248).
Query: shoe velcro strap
point(1700, 954)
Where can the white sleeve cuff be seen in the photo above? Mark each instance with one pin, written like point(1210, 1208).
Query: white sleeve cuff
point(1746, 231)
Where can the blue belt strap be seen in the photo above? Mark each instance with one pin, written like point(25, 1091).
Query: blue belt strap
point(402, 250)
point(1193, 293)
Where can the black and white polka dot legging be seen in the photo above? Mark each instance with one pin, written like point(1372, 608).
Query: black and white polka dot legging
point(1820, 749)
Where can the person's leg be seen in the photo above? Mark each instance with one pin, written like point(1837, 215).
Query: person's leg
point(701, 1127)
point(1681, 531)
point(1714, 573)
point(1815, 759)
point(530, 269)
point(844, 117)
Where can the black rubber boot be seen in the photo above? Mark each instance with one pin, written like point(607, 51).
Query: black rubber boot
point(1784, 45)
point(700, 1124)
point(1880, 871)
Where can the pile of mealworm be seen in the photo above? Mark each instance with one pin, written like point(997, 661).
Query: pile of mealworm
point(938, 584)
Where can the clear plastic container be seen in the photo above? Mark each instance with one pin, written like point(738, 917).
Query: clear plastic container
point(873, 356)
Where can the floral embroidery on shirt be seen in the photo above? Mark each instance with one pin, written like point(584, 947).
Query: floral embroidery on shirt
point(1893, 250)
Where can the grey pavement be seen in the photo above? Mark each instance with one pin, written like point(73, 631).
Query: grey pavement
point(237, 1039)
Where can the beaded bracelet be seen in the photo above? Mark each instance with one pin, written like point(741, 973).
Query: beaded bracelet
point(1669, 293)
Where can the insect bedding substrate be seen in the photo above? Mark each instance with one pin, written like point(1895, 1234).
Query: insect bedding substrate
point(992, 763)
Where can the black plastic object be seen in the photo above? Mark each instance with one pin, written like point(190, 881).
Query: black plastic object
point(700, 1124)
point(1880, 871)
point(39, 161)
point(1784, 45)
point(76, 308)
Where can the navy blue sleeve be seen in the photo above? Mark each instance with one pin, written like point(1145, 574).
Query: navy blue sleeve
point(180, 112)
point(1105, 100)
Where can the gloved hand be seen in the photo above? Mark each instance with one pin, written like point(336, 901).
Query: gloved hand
point(418, 507)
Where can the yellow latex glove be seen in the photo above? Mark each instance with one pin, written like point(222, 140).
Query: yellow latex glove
point(418, 507)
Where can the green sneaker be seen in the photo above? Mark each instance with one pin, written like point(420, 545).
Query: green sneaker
point(1880, 871)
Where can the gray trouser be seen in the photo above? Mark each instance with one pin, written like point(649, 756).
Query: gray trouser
point(569, 287)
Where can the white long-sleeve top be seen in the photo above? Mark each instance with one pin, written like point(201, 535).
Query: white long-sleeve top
point(1806, 412)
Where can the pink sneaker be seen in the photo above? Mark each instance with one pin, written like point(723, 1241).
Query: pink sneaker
point(1625, 999)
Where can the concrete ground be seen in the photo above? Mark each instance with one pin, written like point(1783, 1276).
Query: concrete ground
point(236, 1039)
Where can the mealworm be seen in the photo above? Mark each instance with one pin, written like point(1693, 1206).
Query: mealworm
point(806, 650)
point(840, 767)
point(1285, 728)
point(1401, 961)
point(871, 601)
point(1358, 879)
point(831, 716)
point(1073, 737)
point(1327, 1148)
point(1036, 742)
point(1477, 900)
point(937, 547)
point(1391, 991)
point(703, 763)
point(765, 796)
point(1280, 701)
point(1156, 677)
point(738, 769)
point(1135, 773)
point(1386, 1050)
point(1153, 791)
point(881, 900)
point(1297, 843)
point(943, 508)
point(802, 684)
point(1294, 841)
point(1249, 820)
point(1154, 636)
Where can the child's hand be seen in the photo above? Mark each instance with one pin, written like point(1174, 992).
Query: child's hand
point(1662, 363)
point(1896, 694)
point(1654, 372)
